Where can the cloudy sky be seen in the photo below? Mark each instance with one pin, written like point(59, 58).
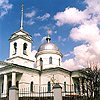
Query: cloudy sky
point(74, 24)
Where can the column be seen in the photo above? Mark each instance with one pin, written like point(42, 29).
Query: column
point(5, 85)
point(57, 92)
point(13, 78)
point(13, 93)
point(85, 87)
point(80, 80)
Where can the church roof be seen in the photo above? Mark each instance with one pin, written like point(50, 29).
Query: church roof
point(11, 65)
point(8, 66)
point(21, 34)
point(48, 47)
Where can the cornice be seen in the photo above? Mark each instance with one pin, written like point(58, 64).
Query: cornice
point(56, 69)
point(20, 57)
point(11, 66)
point(4, 63)
point(22, 37)
point(49, 52)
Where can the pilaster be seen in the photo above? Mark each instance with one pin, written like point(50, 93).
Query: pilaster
point(13, 78)
point(5, 85)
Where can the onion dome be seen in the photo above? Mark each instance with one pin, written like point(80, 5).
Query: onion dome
point(48, 47)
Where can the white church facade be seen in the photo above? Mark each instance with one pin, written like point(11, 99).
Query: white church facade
point(44, 71)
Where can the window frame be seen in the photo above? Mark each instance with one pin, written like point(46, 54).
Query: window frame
point(15, 48)
point(50, 60)
point(25, 48)
point(49, 86)
point(31, 86)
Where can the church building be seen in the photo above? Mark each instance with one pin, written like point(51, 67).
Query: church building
point(22, 71)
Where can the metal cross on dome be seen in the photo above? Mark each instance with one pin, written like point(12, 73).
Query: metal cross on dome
point(48, 37)
point(49, 31)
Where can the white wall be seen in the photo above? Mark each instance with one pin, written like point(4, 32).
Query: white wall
point(23, 62)
point(45, 58)
point(26, 80)
point(59, 77)
point(20, 43)
point(19, 56)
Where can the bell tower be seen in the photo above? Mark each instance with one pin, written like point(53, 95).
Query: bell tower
point(20, 45)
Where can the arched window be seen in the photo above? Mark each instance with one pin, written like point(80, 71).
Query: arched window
point(31, 86)
point(59, 61)
point(49, 86)
point(77, 87)
point(50, 60)
point(41, 63)
point(17, 84)
point(15, 47)
point(64, 86)
point(24, 48)
point(2, 88)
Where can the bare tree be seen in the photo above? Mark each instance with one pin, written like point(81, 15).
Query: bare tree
point(92, 76)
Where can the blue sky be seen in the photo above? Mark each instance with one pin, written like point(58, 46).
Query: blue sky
point(66, 18)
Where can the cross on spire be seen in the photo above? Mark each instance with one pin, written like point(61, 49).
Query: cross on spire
point(48, 37)
point(22, 13)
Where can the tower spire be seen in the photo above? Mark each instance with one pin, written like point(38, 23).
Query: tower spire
point(48, 37)
point(22, 13)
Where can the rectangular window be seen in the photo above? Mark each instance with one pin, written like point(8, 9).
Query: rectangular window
point(64, 86)
point(50, 60)
point(49, 87)
point(2, 88)
point(31, 87)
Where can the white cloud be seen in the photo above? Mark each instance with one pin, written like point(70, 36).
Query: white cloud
point(71, 65)
point(32, 55)
point(5, 6)
point(30, 22)
point(30, 14)
point(75, 16)
point(71, 16)
point(43, 39)
point(44, 17)
point(93, 6)
point(96, 47)
point(44, 27)
point(68, 64)
point(66, 55)
point(61, 39)
point(37, 34)
point(83, 54)
point(87, 31)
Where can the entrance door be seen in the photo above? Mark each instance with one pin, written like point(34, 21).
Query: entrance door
point(9, 85)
